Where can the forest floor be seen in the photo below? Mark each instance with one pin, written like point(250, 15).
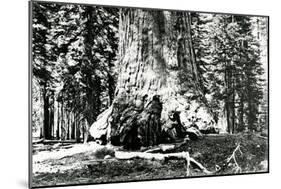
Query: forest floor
point(60, 164)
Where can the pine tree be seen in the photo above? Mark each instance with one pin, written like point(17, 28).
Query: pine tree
point(77, 46)
point(227, 55)
point(42, 62)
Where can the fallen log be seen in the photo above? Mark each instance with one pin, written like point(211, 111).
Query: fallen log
point(43, 141)
point(262, 137)
point(122, 155)
point(119, 155)
point(38, 141)
point(220, 135)
point(163, 157)
point(166, 147)
point(58, 141)
point(143, 155)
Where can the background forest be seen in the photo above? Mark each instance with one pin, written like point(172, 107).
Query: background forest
point(74, 53)
point(75, 68)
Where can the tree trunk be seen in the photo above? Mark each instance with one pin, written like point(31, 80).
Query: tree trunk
point(110, 88)
point(62, 125)
point(77, 128)
point(72, 126)
point(46, 123)
point(241, 124)
point(67, 124)
point(93, 92)
point(230, 98)
point(86, 131)
point(157, 75)
point(52, 115)
point(58, 120)
point(251, 116)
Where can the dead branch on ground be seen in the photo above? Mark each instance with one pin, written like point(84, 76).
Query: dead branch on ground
point(237, 168)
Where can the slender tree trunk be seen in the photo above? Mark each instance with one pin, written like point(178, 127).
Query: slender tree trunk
point(72, 126)
point(78, 138)
point(230, 99)
point(68, 120)
point(62, 122)
point(55, 118)
point(46, 122)
point(251, 115)
point(241, 114)
point(41, 135)
point(233, 106)
point(86, 132)
point(58, 120)
point(52, 115)
point(111, 85)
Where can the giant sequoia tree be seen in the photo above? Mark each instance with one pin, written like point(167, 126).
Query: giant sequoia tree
point(166, 68)
point(157, 74)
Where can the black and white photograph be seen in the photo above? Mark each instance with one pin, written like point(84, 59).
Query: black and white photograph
point(122, 94)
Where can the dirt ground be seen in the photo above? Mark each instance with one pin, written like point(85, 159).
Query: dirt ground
point(65, 163)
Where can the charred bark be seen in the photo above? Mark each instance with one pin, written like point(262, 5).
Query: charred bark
point(156, 65)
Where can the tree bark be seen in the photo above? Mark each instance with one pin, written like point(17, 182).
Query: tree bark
point(157, 73)
point(230, 98)
point(46, 122)
point(241, 126)
point(58, 121)
point(77, 128)
point(72, 125)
